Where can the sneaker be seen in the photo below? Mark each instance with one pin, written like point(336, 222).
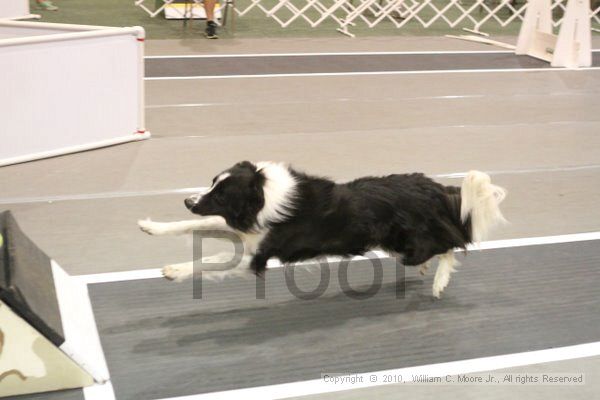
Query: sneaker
point(47, 5)
point(211, 30)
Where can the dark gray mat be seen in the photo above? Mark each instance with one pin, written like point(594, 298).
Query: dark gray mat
point(221, 66)
point(159, 342)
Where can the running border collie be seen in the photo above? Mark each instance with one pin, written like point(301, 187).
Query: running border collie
point(280, 212)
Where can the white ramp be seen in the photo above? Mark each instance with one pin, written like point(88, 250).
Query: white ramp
point(48, 335)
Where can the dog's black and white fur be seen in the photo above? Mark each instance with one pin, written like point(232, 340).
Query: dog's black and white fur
point(283, 213)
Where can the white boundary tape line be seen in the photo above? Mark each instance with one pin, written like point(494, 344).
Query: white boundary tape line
point(370, 73)
point(318, 386)
point(459, 175)
point(374, 100)
point(99, 195)
point(352, 100)
point(349, 53)
point(121, 276)
point(325, 54)
point(153, 273)
point(115, 195)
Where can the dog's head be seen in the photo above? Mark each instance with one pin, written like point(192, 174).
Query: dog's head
point(236, 194)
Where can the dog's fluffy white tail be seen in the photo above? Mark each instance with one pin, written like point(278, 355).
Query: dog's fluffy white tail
point(480, 200)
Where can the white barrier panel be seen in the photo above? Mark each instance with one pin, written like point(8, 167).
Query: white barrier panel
point(68, 88)
point(15, 9)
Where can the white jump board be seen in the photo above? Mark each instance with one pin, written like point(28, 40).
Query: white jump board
point(48, 335)
point(30, 363)
point(189, 11)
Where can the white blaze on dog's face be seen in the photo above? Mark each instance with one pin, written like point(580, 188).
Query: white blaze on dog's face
point(248, 196)
point(194, 199)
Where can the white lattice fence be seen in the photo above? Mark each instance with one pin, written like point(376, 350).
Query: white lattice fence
point(470, 14)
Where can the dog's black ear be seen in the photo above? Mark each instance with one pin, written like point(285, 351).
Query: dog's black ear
point(243, 210)
point(258, 181)
point(246, 164)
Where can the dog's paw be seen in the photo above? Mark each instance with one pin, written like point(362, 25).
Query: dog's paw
point(177, 272)
point(439, 284)
point(151, 227)
point(437, 291)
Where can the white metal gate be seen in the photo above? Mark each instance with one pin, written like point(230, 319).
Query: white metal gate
point(469, 14)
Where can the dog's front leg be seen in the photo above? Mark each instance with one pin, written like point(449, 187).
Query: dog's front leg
point(258, 265)
point(183, 227)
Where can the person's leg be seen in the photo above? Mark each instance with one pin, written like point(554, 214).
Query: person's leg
point(47, 5)
point(211, 26)
point(209, 7)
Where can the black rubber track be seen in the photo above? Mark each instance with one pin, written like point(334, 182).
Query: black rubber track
point(311, 64)
point(159, 342)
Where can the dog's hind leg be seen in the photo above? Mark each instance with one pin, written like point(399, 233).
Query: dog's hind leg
point(178, 272)
point(442, 275)
point(242, 269)
point(424, 267)
point(183, 271)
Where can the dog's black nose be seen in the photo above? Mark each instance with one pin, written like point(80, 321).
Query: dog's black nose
point(189, 203)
